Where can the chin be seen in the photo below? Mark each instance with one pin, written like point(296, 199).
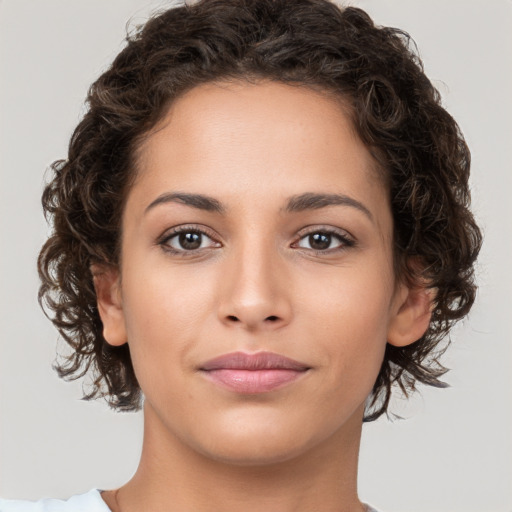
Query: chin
point(263, 443)
point(254, 452)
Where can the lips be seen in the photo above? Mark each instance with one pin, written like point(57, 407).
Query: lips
point(253, 373)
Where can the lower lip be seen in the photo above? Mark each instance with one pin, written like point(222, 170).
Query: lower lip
point(253, 381)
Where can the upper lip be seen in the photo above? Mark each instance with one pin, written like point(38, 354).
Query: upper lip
point(256, 361)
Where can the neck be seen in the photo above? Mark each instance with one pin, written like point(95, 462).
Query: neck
point(172, 476)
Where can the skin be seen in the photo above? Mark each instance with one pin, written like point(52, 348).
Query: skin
point(255, 284)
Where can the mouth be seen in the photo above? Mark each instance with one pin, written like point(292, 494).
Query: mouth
point(253, 373)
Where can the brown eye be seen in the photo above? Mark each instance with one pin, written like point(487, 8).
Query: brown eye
point(187, 240)
point(319, 241)
point(190, 240)
point(324, 241)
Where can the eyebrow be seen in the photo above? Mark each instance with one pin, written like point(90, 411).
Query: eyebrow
point(198, 201)
point(315, 201)
point(298, 203)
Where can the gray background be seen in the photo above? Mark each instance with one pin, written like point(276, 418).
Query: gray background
point(453, 452)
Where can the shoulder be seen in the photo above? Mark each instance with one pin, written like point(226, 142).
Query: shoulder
point(88, 502)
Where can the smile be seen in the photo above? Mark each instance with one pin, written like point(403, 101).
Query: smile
point(253, 373)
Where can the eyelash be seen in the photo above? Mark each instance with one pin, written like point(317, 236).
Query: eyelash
point(345, 241)
point(167, 237)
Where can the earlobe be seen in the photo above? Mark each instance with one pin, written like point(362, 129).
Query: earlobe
point(412, 317)
point(108, 294)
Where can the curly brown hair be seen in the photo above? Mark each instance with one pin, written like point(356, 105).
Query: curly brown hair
point(394, 107)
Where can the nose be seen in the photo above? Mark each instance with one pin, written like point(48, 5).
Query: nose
point(256, 290)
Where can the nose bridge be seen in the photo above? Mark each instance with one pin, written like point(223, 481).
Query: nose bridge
point(255, 292)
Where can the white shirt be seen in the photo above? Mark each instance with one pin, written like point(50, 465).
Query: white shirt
point(89, 502)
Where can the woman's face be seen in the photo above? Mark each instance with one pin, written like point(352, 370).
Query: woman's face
point(258, 224)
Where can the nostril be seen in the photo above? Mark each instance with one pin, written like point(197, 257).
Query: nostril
point(234, 318)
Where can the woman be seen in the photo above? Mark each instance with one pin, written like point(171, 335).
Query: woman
point(261, 226)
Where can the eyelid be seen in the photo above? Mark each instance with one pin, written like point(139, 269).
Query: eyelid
point(185, 228)
point(346, 239)
point(324, 228)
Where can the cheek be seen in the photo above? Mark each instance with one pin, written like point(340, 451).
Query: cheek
point(349, 319)
point(165, 314)
point(165, 302)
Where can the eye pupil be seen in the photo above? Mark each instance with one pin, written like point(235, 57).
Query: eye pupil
point(319, 241)
point(190, 240)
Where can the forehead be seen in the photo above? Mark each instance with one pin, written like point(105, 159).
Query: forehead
point(256, 139)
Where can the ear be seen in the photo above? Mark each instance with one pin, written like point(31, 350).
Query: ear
point(108, 293)
point(411, 318)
